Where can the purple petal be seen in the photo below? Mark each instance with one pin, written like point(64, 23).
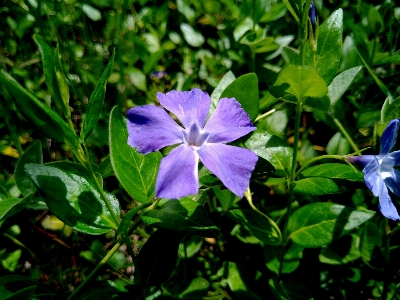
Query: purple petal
point(393, 182)
point(371, 177)
point(189, 107)
point(178, 174)
point(229, 122)
point(395, 156)
point(150, 128)
point(389, 136)
point(232, 165)
point(362, 160)
point(385, 202)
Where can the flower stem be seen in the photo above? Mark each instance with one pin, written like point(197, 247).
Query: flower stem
point(247, 195)
point(270, 112)
point(346, 135)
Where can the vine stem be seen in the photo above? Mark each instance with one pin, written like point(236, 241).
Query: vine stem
point(247, 195)
point(346, 135)
point(104, 260)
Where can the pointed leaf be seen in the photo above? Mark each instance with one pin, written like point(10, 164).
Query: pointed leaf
point(216, 94)
point(96, 100)
point(331, 170)
point(256, 224)
point(341, 83)
point(62, 82)
point(245, 90)
point(318, 224)
point(323, 186)
point(74, 198)
point(294, 83)
point(183, 216)
point(46, 121)
point(32, 155)
point(136, 172)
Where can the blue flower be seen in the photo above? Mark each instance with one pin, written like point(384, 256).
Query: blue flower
point(379, 171)
point(311, 13)
point(151, 128)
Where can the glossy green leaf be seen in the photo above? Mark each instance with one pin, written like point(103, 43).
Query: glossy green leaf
point(11, 206)
point(371, 239)
point(157, 263)
point(293, 9)
point(105, 168)
point(4, 194)
point(10, 262)
point(96, 101)
point(341, 83)
point(225, 197)
point(291, 259)
point(390, 111)
point(197, 288)
point(49, 72)
point(26, 294)
point(183, 216)
point(46, 121)
point(329, 47)
point(136, 172)
point(32, 155)
point(256, 224)
point(243, 281)
point(341, 251)
point(123, 226)
point(61, 81)
point(322, 186)
point(74, 198)
point(271, 148)
point(228, 78)
point(245, 90)
point(190, 245)
point(296, 82)
point(276, 11)
point(137, 77)
point(318, 224)
point(332, 170)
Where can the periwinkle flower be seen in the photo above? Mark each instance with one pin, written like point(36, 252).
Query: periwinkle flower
point(379, 171)
point(151, 128)
point(312, 14)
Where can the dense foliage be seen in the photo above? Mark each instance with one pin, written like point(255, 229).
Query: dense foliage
point(79, 216)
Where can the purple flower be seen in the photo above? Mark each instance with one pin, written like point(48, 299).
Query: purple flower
point(379, 172)
point(312, 14)
point(151, 128)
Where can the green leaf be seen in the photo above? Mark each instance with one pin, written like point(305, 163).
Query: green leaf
point(46, 121)
point(318, 224)
point(136, 172)
point(390, 111)
point(184, 216)
point(293, 9)
point(10, 262)
point(341, 83)
point(228, 78)
point(192, 37)
point(62, 82)
point(242, 281)
point(49, 72)
point(225, 197)
point(73, 198)
point(138, 78)
point(245, 90)
point(11, 206)
point(291, 259)
point(332, 170)
point(123, 226)
point(341, 251)
point(256, 224)
point(92, 13)
point(275, 12)
point(26, 293)
point(371, 238)
point(96, 101)
point(105, 169)
point(329, 47)
point(4, 193)
point(198, 288)
point(156, 263)
point(338, 145)
point(190, 245)
point(321, 186)
point(294, 83)
point(32, 155)
point(271, 148)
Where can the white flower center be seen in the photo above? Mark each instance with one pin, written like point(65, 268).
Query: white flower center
point(386, 164)
point(195, 137)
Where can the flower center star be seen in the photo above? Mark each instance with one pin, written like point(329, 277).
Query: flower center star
point(195, 137)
